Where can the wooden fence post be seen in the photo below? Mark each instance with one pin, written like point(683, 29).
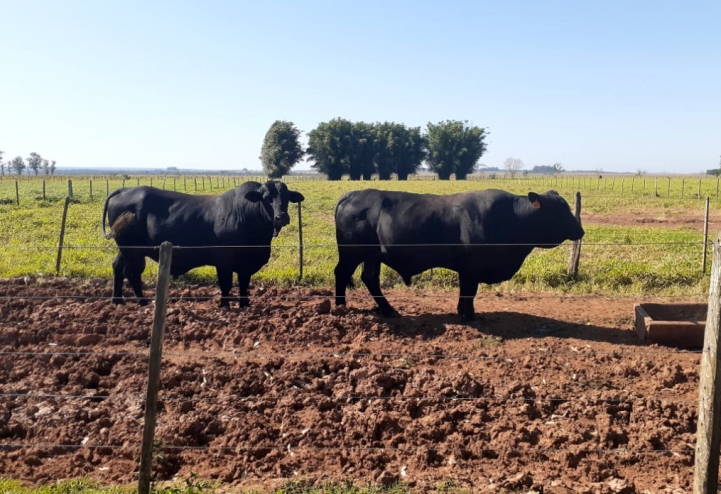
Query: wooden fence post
point(575, 259)
point(656, 186)
point(705, 238)
point(708, 430)
point(62, 235)
point(185, 185)
point(70, 188)
point(17, 193)
point(91, 189)
point(174, 188)
point(107, 187)
point(163, 184)
point(300, 239)
point(195, 180)
point(156, 352)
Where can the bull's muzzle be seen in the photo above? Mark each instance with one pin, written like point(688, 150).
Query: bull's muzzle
point(281, 220)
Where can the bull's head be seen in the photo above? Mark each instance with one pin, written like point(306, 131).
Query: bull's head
point(555, 221)
point(275, 197)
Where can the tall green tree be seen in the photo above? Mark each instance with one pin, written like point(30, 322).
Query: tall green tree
point(383, 149)
point(408, 149)
point(454, 147)
point(362, 151)
point(52, 167)
point(46, 167)
point(17, 164)
point(2, 165)
point(281, 149)
point(35, 161)
point(330, 146)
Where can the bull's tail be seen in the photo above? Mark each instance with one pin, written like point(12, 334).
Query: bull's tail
point(126, 219)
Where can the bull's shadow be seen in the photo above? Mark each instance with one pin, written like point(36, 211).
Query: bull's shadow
point(508, 325)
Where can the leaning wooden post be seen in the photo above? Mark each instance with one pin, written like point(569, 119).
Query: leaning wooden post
point(70, 188)
point(708, 430)
point(43, 190)
point(705, 238)
point(91, 189)
point(17, 193)
point(107, 187)
point(300, 239)
point(156, 351)
point(575, 259)
point(62, 235)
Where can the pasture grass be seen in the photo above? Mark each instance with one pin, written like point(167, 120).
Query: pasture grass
point(615, 259)
point(194, 485)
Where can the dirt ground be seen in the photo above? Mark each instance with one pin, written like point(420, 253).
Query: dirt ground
point(543, 392)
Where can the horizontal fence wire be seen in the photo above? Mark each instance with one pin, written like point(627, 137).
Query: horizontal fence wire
point(255, 398)
point(391, 295)
point(410, 449)
point(215, 353)
point(334, 245)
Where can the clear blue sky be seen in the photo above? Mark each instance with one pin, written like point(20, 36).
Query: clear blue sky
point(617, 85)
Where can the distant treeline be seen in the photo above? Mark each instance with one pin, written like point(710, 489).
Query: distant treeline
point(361, 150)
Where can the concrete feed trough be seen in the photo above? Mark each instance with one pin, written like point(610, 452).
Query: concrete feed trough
point(680, 325)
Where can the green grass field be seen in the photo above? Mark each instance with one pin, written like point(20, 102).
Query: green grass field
point(615, 259)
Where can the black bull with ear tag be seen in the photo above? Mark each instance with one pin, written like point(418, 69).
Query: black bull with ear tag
point(245, 219)
point(484, 236)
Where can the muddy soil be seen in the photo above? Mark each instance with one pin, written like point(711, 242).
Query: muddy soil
point(544, 393)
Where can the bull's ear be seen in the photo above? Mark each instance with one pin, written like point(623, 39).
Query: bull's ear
point(534, 198)
point(295, 197)
point(254, 196)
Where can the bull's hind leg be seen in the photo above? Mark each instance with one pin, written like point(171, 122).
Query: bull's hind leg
point(243, 284)
point(343, 275)
point(225, 281)
point(118, 278)
point(371, 276)
point(134, 267)
point(469, 288)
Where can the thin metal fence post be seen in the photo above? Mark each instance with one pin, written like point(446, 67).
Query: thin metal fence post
point(705, 238)
point(300, 238)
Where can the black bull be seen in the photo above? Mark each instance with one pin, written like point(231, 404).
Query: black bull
point(411, 233)
point(245, 219)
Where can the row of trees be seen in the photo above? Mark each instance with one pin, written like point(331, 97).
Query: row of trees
point(359, 149)
point(35, 162)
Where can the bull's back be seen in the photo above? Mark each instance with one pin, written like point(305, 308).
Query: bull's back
point(160, 216)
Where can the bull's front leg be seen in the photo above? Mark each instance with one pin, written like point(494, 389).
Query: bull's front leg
point(225, 281)
point(469, 288)
point(371, 277)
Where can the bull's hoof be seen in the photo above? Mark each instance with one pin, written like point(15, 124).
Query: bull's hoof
point(143, 302)
point(117, 301)
point(468, 317)
point(390, 312)
point(244, 303)
point(224, 304)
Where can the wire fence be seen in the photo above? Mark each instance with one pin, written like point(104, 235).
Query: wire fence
point(14, 352)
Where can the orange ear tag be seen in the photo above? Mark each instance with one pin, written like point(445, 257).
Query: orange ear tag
point(536, 204)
